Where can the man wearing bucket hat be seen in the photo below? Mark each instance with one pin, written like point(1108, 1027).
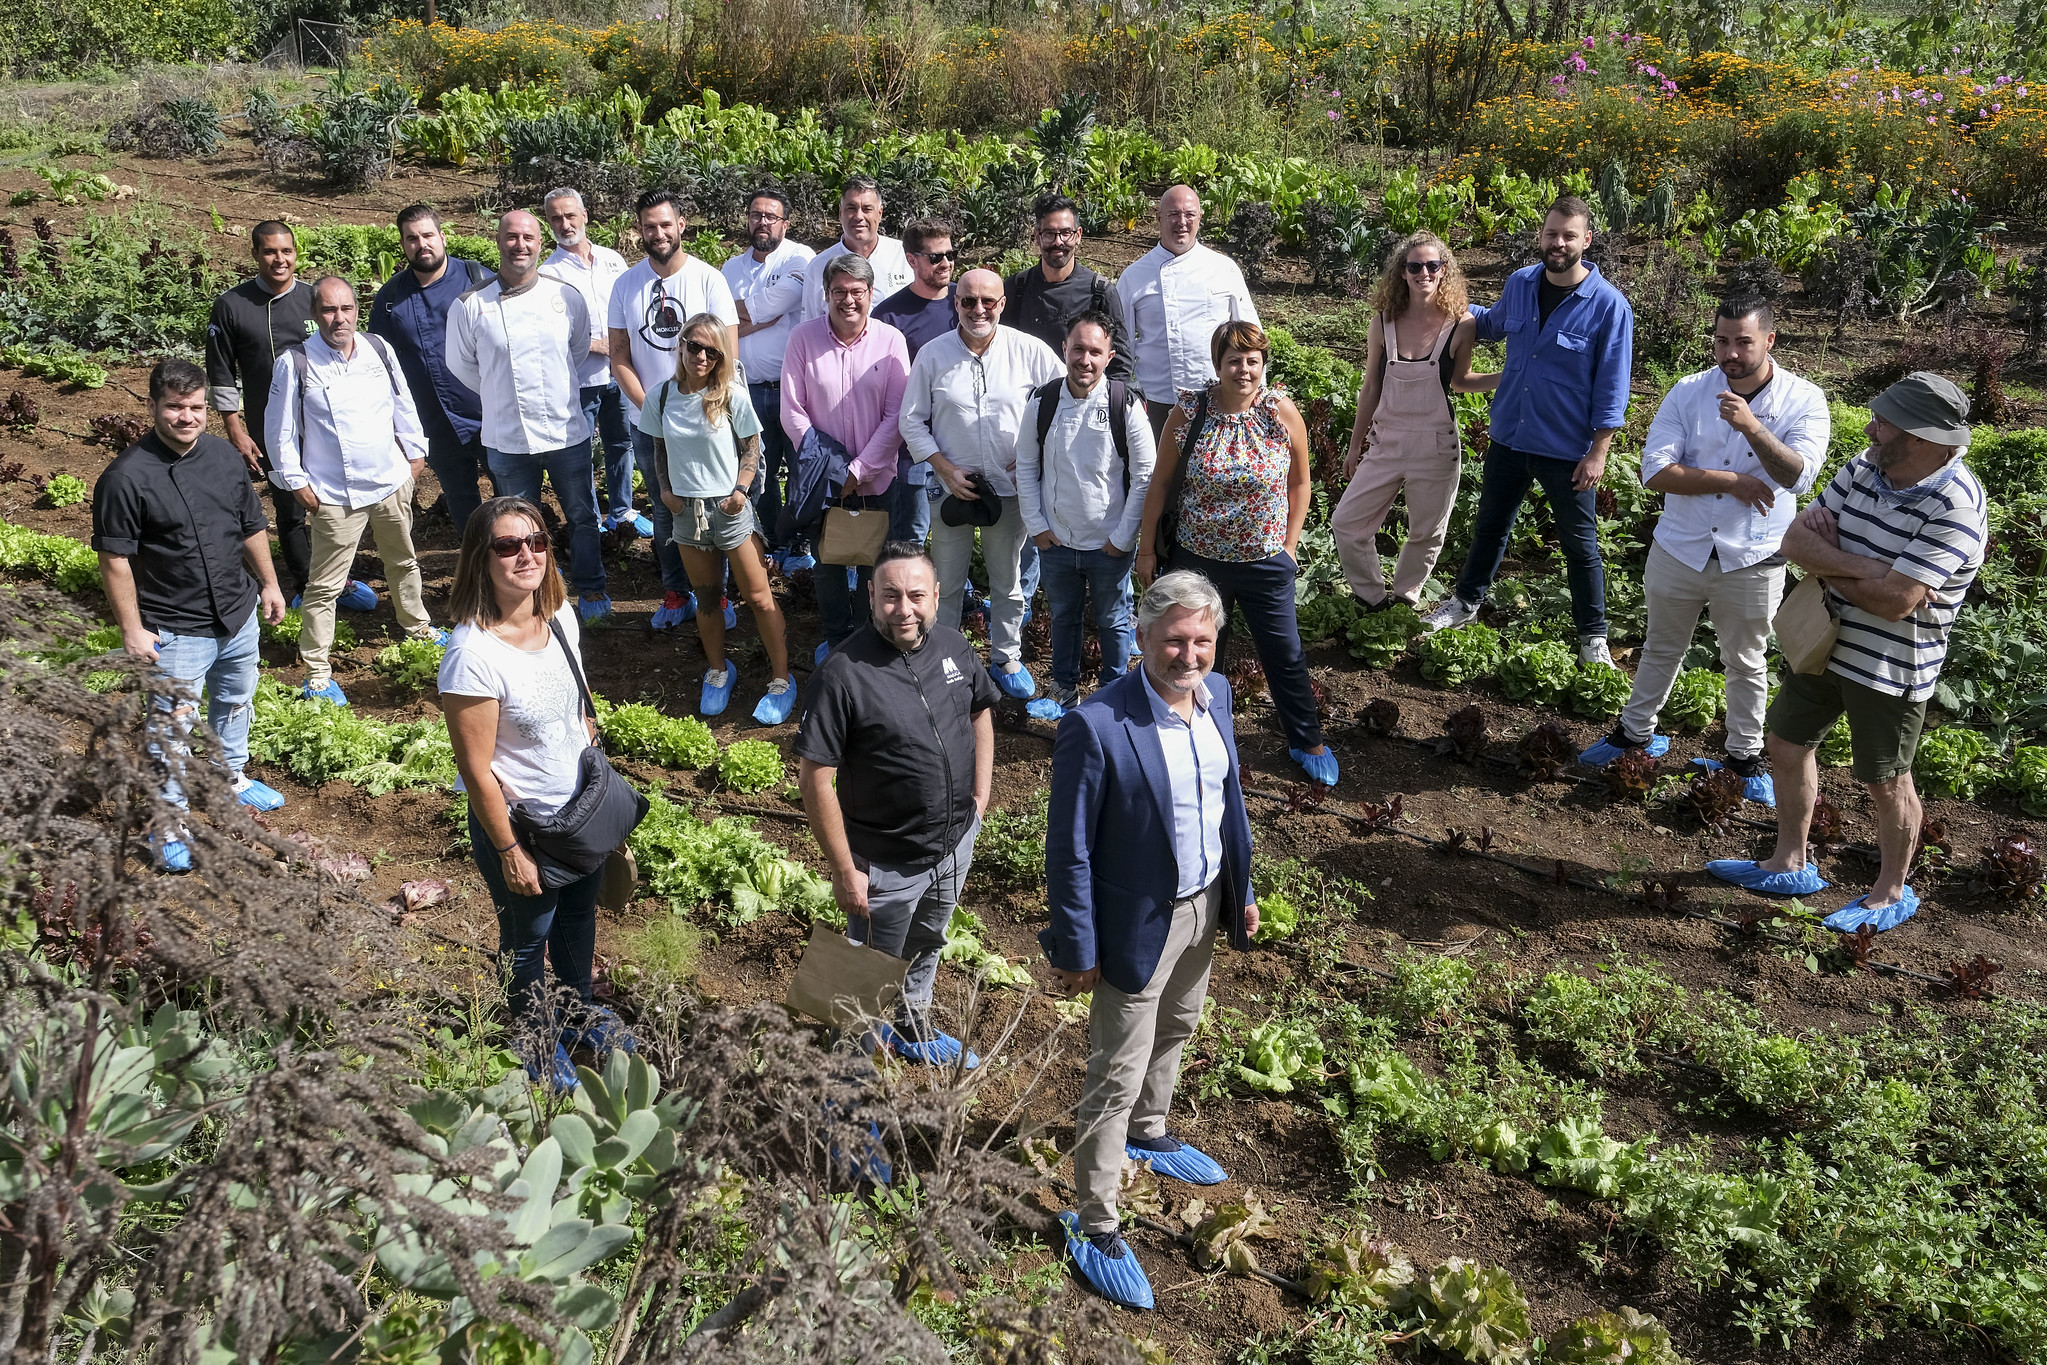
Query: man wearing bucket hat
point(1897, 538)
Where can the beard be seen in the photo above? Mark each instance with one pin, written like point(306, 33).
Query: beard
point(660, 254)
point(1571, 257)
point(1737, 375)
point(1887, 457)
point(918, 632)
point(427, 260)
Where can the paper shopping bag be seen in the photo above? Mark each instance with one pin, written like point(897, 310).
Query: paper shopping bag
point(841, 982)
point(1806, 627)
point(852, 537)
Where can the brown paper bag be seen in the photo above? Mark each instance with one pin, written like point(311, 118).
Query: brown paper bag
point(1807, 627)
point(841, 982)
point(852, 537)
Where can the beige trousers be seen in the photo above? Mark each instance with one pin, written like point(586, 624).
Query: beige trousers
point(1742, 603)
point(1134, 1044)
point(337, 532)
point(1427, 464)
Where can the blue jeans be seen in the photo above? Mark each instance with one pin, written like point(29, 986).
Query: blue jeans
point(1508, 475)
point(458, 465)
point(1070, 575)
point(561, 925)
point(1265, 589)
point(778, 459)
point(667, 559)
point(605, 407)
point(519, 476)
point(909, 500)
point(226, 670)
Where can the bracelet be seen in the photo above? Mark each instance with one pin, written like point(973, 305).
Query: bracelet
point(507, 848)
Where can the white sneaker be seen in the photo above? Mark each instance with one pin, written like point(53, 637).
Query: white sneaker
point(1594, 651)
point(1451, 612)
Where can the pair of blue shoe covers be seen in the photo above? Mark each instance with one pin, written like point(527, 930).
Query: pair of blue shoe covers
point(1107, 1262)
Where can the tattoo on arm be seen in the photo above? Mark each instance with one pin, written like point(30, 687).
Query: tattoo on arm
point(749, 460)
point(661, 465)
point(1779, 461)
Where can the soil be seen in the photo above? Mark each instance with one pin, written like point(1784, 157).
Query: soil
point(1559, 1246)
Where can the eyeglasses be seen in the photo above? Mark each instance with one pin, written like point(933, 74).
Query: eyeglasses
point(970, 304)
point(765, 217)
point(1059, 234)
point(936, 256)
point(698, 348)
point(508, 547)
point(1424, 267)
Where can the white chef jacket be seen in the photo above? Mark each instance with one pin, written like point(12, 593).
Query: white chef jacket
point(969, 407)
point(891, 273)
point(1688, 431)
point(772, 291)
point(522, 354)
point(593, 282)
point(361, 431)
point(1173, 305)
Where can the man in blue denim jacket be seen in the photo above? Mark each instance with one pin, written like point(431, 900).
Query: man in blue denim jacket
point(1563, 393)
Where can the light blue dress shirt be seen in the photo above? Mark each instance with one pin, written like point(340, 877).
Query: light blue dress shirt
point(1196, 764)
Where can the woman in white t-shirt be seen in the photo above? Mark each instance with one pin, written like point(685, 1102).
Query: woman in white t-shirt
point(706, 447)
point(516, 719)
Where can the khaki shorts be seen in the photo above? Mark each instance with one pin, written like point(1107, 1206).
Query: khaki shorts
point(701, 526)
point(1883, 729)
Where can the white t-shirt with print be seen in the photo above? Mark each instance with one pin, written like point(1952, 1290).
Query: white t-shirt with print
point(652, 311)
point(541, 736)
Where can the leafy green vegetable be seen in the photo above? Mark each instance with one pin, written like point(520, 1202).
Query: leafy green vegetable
point(1277, 918)
point(722, 863)
point(751, 765)
point(2026, 778)
point(71, 564)
point(1278, 1051)
point(1459, 657)
point(286, 632)
point(1697, 699)
point(1623, 1338)
point(637, 730)
point(1359, 1269)
point(315, 741)
point(1599, 691)
point(1837, 747)
point(64, 490)
point(1538, 672)
point(1222, 1236)
point(1326, 615)
point(63, 366)
point(414, 662)
point(1578, 1153)
point(1380, 637)
point(1950, 761)
point(1475, 1311)
point(420, 755)
point(963, 945)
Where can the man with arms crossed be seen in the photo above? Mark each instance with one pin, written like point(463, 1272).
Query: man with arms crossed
point(767, 291)
point(1897, 538)
point(185, 554)
point(896, 757)
point(411, 312)
point(1731, 450)
point(1562, 395)
point(347, 445)
point(1147, 855)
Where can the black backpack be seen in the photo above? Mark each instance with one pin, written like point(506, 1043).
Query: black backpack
point(1119, 406)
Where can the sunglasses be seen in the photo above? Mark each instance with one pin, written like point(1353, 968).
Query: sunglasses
point(1424, 267)
point(508, 547)
point(968, 304)
point(698, 348)
point(936, 256)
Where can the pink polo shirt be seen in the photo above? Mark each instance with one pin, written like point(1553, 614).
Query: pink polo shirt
point(852, 393)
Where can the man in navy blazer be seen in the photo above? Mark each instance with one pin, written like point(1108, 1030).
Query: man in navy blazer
point(1148, 854)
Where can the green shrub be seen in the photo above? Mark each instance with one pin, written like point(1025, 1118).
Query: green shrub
point(63, 490)
point(640, 731)
point(1380, 637)
point(2010, 462)
point(1538, 672)
point(1456, 658)
point(414, 662)
point(751, 765)
point(1950, 761)
point(1697, 699)
point(1599, 691)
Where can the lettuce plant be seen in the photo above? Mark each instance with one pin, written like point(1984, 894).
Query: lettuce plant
point(1600, 691)
point(1538, 672)
point(1697, 699)
point(1951, 761)
point(1380, 637)
point(1459, 657)
point(751, 765)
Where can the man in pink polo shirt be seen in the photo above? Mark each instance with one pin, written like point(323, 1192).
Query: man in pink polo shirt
point(844, 374)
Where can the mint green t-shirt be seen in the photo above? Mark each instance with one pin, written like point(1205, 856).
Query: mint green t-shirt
point(703, 460)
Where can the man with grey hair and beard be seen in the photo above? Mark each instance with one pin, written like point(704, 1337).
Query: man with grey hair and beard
point(594, 270)
point(1148, 853)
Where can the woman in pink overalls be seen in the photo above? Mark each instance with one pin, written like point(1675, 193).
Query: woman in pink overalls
point(1405, 432)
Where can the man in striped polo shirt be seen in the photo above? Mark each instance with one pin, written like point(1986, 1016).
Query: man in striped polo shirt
point(1897, 537)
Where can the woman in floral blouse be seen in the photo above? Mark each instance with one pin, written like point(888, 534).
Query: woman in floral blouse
point(1233, 465)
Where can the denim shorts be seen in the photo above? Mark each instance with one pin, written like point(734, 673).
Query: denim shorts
point(701, 526)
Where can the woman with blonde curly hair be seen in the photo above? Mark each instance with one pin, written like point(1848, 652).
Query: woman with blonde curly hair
point(1405, 433)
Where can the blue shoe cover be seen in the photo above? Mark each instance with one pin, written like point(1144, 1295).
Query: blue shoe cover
point(716, 698)
point(256, 794)
point(1190, 1164)
point(1019, 684)
point(1606, 751)
point(1119, 1279)
point(940, 1049)
point(1859, 912)
point(1806, 881)
point(1044, 708)
point(1760, 788)
point(1319, 767)
point(358, 596)
point(776, 708)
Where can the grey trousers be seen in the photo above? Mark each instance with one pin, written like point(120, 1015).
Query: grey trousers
point(1134, 1044)
point(907, 916)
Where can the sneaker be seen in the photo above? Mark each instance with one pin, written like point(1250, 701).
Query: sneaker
point(1594, 651)
point(1177, 1160)
point(1319, 767)
point(605, 1033)
point(250, 792)
point(1019, 684)
point(940, 1049)
point(595, 611)
point(170, 855)
point(718, 685)
point(1451, 612)
point(434, 633)
point(358, 596)
point(796, 561)
point(1859, 912)
point(1617, 743)
point(329, 691)
point(675, 608)
point(1106, 1261)
point(776, 707)
point(557, 1073)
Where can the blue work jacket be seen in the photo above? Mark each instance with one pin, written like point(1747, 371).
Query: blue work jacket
point(414, 319)
point(1565, 379)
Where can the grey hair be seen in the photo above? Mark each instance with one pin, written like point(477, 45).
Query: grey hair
point(1181, 589)
point(846, 263)
point(564, 192)
point(859, 184)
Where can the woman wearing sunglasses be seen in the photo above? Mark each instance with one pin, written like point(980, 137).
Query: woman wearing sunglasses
point(1405, 433)
point(510, 690)
point(707, 444)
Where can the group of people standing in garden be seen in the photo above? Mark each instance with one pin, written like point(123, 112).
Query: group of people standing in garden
point(871, 414)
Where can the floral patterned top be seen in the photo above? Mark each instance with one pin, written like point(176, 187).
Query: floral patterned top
point(1233, 505)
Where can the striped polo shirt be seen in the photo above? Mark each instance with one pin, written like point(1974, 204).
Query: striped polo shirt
point(1933, 532)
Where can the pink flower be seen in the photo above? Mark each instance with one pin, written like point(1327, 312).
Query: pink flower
point(1982, 113)
point(2020, 92)
point(1979, 90)
point(1931, 120)
point(1589, 42)
point(1996, 108)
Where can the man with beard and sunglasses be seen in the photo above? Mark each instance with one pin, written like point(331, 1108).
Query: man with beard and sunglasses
point(1897, 538)
point(649, 304)
point(411, 313)
point(767, 290)
point(1562, 395)
point(1732, 449)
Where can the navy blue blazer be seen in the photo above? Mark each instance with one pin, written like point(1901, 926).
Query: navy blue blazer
point(1110, 870)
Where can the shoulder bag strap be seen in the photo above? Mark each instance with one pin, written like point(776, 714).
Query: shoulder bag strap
point(576, 669)
point(1048, 407)
point(1119, 425)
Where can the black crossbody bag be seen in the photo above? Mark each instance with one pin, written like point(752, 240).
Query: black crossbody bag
point(573, 842)
point(1165, 537)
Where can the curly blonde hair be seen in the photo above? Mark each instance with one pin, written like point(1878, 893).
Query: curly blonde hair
point(1391, 298)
